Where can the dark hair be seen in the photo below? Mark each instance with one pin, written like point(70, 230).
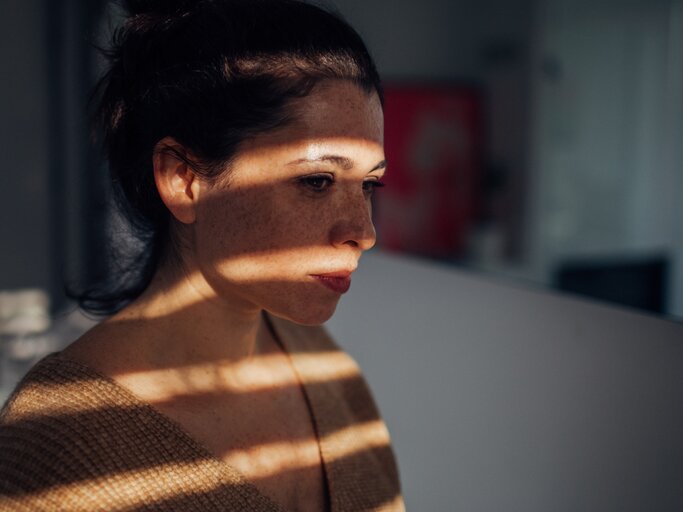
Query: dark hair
point(209, 73)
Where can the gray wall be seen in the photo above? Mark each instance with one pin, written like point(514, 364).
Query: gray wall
point(437, 38)
point(500, 397)
point(50, 214)
point(608, 133)
point(24, 176)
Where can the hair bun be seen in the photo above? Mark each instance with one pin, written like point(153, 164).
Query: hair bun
point(135, 7)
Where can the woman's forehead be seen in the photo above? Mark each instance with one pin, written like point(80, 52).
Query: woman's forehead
point(337, 109)
point(342, 153)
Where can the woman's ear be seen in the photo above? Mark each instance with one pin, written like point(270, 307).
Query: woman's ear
point(176, 182)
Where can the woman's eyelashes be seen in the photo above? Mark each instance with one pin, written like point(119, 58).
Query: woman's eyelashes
point(370, 186)
point(317, 182)
point(323, 182)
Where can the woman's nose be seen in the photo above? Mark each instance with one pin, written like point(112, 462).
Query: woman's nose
point(353, 226)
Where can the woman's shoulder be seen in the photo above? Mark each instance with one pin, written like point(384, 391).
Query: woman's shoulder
point(73, 439)
point(59, 409)
point(65, 405)
point(64, 422)
point(44, 429)
point(54, 384)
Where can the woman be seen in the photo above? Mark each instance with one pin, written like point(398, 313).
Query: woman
point(245, 140)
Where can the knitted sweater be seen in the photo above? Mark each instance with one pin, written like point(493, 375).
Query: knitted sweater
point(73, 439)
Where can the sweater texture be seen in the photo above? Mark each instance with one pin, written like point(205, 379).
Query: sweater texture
point(74, 439)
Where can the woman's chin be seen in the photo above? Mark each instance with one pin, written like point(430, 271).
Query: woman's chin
point(314, 315)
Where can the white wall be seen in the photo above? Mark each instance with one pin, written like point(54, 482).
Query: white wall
point(505, 398)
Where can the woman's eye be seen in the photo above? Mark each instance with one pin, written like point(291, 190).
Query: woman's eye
point(369, 186)
point(318, 183)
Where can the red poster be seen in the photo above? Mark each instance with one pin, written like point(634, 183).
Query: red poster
point(433, 143)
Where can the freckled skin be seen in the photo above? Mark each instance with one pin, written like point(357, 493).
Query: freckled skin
point(260, 233)
point(256, 237)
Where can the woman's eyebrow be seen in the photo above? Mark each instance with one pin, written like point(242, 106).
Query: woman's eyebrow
point(341, 161)
point(381, 165)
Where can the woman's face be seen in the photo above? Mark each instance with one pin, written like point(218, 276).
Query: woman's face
point(287, 225)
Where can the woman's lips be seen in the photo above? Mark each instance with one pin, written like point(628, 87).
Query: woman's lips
point(338, 282)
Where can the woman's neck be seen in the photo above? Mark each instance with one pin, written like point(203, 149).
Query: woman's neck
point(188, 323)
point(178, 331)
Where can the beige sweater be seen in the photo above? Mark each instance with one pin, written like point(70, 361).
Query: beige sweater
point(73, 439)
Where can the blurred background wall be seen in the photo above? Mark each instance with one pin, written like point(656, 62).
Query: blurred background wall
point(55, 210)
point(584, 124)
point(24, 132)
